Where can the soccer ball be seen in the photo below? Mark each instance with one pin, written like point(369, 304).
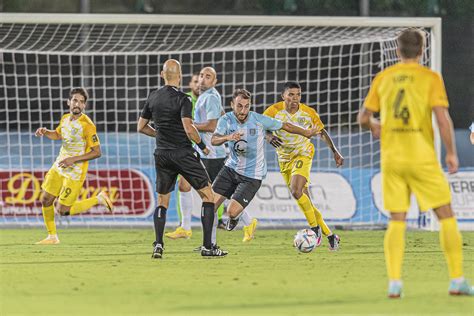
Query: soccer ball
point(305, 240)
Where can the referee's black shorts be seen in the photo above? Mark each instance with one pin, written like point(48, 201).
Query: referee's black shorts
point(236, 186)
point(186, 162)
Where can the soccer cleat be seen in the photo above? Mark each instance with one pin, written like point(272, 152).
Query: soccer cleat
point(394, 290)
point(249, 231)
point(48, 241)
point(157, 251)
point(461, 288)
point(220, 224)
point(214, 252)
point(105, 200)
point(319, 235)
point(334, 242)
point(198, 249)
point(231, 224)
point(180, 232)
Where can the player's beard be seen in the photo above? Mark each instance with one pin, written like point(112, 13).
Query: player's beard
point(242, 118)
point(76, 110)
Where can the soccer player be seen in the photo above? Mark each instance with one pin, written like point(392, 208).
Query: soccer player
point(406, 95)
point(295, 155)
point(171, 111)
point(185, 196)
point(64, 180)
point(245, 131)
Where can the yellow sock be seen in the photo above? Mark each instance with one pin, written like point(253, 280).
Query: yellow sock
point(394, 246)
point(48, 216)
point(306, 207)
point(84, 205)
point(451, 243)
point(321, 222)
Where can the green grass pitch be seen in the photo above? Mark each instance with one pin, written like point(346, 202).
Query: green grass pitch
point(110, 272)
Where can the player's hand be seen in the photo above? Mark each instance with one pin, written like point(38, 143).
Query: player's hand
point(338, 159)
point(273, 140)
point(40, 131)
point(452, 162)
point(314, 131)
point(375, 128)
point(206, 151)
point(235, 136)
point(67, 162)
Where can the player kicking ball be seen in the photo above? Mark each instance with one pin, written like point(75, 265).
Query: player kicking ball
point(65, 179)
point(244, 170)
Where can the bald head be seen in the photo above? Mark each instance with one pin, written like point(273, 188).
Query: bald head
point(207, 78)
point(171, 70)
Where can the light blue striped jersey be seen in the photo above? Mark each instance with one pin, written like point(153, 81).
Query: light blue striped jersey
point(247, 156)
point(208, 107)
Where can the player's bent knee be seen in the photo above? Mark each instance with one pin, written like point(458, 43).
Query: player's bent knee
point(296, 192)
point(444, 211)
point(206, 194)
point(47, 199)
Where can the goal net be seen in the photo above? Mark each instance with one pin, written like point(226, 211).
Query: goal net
point(118, 59)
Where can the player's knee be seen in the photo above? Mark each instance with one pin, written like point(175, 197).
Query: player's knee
point(46, 200)
point(64, 212)
point(184, 186)
point(207, 195)
point(296, 192)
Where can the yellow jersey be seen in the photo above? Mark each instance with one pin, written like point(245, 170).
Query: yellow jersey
point(294, 145)
point(404, 94)
point(78, 136)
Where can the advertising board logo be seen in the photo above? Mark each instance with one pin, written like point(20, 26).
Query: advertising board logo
point(129, 189)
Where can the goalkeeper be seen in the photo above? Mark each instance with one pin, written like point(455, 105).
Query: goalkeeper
point(295, 155)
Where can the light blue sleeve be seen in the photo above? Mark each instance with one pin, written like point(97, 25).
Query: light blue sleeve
point(472, 127)
point(269, 123)
point(213, 107)
point(221, 127)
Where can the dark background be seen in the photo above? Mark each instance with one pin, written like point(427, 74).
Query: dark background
point(457, 66)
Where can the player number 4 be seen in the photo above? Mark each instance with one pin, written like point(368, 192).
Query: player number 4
point(401, 112)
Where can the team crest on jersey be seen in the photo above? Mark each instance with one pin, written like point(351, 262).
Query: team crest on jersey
point(240, 147)
point(301, 120)
point(94, 138)
point(252, 131)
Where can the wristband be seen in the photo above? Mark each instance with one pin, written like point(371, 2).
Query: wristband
point(201, 145)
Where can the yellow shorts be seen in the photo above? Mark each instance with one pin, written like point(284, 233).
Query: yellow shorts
point(300, 165)
point(427, 182)
point(67, 190)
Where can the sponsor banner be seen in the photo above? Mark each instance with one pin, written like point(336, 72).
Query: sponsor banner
point(462, 193)
point(330, 192)
point(129, 189)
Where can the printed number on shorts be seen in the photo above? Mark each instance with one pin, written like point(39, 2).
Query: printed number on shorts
point(298, 164)
point(66, 192)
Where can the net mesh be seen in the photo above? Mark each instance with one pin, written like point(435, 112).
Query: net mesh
point(120, 65)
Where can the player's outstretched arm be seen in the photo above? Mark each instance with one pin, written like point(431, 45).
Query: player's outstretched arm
point(209, 126)
point(145, 128)
point(94, 153)
point(51, 134)
point(447, 136)
point(218, 139)
point(193, 134)
point(337, 155)
point(293, 129)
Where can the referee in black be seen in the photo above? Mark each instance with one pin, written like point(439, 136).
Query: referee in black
point(170, 109)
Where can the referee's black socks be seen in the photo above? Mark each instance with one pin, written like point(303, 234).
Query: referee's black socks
point(207, 220)
point(159, 219)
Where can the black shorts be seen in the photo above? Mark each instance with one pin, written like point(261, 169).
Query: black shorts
point(186, 162)
point(235, 186)
point(213, 167)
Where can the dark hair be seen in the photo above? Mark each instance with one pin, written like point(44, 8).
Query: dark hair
point(245, 94)
point(410, 43)
point(291, 85)
point(80, 91)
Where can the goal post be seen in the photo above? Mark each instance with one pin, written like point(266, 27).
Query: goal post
point(118, 59)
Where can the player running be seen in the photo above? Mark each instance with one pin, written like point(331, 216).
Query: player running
point(65, 179)
point(295, 155)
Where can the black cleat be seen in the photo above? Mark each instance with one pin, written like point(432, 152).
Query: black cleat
point(231, 224)
point(214, 252)
point(334, 242)
point(157, 252)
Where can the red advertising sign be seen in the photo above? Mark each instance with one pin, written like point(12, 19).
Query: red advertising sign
point(129, 189)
